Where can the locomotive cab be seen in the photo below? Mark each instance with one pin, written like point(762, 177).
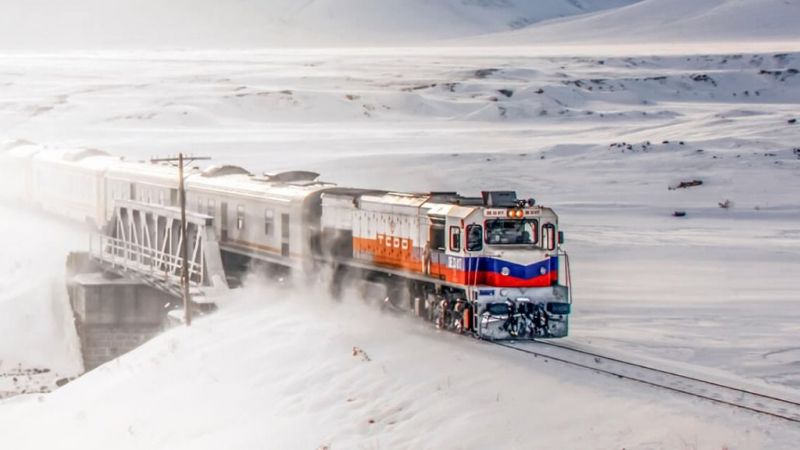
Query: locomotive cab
point(512, 257)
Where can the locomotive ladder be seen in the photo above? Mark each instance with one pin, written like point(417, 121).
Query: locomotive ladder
point(144, 241)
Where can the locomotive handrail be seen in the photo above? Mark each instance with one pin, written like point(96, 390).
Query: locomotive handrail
point(567, 273)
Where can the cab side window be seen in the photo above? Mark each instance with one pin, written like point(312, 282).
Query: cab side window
point(455, 239)
point(437, 238)
point(549, 236)
point(474, 238)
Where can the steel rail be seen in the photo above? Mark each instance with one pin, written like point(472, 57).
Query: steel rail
point(667, 372)
point(663, 385)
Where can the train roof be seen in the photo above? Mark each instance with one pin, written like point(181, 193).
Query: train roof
point(293, 176)
point(149, 171)
point(24, 151)
point(80, 157)
point(223, 170)
point(260, 187)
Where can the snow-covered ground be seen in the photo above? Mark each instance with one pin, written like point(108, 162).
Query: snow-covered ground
point(39, 345)
point(275, 370)
point(589, 106)
point(715, 290)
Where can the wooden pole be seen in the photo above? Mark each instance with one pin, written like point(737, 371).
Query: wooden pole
point(187, 310)
point(187, 300)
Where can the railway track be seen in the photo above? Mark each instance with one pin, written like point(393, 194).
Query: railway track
point(732, 396)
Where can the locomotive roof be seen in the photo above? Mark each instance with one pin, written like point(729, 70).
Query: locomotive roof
point(397, 198)
point(352, 192)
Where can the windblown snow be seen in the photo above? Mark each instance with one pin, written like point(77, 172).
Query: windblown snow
point(599, 109)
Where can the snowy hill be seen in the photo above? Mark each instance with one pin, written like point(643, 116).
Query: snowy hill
point(97, 24)
point(276, 371)
point(39, 24)
point(660, 21)
point(40, 344)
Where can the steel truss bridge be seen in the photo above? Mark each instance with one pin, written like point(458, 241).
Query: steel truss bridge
point(144, 241)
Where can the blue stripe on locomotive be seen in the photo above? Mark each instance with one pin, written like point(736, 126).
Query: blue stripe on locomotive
point(519, 271)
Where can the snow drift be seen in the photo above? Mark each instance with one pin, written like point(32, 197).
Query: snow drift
point(275, 370)
point(35, 320)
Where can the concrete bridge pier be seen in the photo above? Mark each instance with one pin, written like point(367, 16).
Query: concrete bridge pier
point(113, 315)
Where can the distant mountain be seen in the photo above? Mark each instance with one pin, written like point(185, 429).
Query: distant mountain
point(660, 21)
point(215, 24)
point(93, 24)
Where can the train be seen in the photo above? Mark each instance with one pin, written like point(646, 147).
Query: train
point(492, 265)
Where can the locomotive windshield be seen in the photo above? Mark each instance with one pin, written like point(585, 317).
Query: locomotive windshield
point(512, 231)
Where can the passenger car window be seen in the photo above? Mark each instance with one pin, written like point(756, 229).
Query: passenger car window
point(212, 208)
point(240, 217)
point(269, 222)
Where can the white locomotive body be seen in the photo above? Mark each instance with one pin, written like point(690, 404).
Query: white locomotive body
point(488, 265)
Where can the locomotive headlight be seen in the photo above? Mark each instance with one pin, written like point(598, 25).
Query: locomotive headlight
point(505, 271)
point(543, 270)
point(520, 214)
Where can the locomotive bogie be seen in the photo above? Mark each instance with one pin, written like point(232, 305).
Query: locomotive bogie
point(519, 313)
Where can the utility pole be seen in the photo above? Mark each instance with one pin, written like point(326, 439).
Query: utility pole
point(187, 310)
